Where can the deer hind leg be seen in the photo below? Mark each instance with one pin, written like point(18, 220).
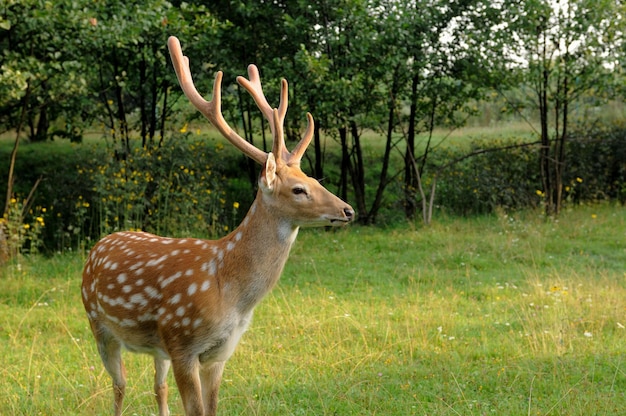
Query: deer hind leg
point(211, 376)
point(161, 367)
point(186, 373)
point(110, 351)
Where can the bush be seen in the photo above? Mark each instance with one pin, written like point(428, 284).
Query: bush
point(509, 178)
point(177, 189)
point(598, 158)
point(506, 178)
point(181, 188)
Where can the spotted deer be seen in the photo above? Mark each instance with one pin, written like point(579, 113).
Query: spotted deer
point(187, 301)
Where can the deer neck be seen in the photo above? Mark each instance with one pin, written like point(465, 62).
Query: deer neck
point(258, 250)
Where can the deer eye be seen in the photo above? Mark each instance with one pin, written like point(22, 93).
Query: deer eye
point(298, 190)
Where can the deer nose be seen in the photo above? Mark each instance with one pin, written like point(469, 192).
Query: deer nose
point(349, 213)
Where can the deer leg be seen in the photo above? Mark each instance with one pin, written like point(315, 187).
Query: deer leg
point(211, 376)
point(186, 373)
point(161, 367)
point(110, 351)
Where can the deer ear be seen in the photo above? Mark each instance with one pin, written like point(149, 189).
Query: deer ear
point(268, 176)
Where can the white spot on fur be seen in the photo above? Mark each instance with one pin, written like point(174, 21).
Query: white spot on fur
point(180, 311)
point(174, 299)
point(138, 298)
point(157, 261)
point(146, 317)
point(136, 265)
point(121, 278)
point(128, 323)
point(287, 233)
point(152, 292)
point(192, 289)
point(205, 286)
point(170, 279)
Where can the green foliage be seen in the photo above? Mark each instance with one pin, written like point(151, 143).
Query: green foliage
point(40, 55)
point(188, 186)
point(177, 189)
point(104, 192)
point(22, 227)
point(596, 167)
point(496, 178)
point(494, 174)
point(174, 190)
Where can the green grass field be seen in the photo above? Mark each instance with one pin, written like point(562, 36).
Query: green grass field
point(502, 315)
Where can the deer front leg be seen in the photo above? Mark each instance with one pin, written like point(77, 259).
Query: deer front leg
point(161, 368)
point(187, 375)
point(110, 351)
point(211, 376)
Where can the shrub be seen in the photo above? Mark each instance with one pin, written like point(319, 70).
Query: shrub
point(596, 165)
point(177, 189)
point(506, 178)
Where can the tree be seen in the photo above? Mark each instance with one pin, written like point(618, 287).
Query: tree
point(126, 43)
point(39, 50)
point(557, 52)
point(430, 79)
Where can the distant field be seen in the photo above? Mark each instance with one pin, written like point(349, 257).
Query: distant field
point(502, 315)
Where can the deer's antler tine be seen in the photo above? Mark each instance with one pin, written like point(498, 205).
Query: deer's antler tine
point(296, 154)
point(183, 73)
point(278, 147)
point(254, 87)
point(284, 100)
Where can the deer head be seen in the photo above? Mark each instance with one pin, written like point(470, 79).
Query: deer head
point(188, 301)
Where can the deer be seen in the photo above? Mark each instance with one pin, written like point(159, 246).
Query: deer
point(187, 301)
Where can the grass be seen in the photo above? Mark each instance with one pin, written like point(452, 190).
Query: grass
point(503, 315)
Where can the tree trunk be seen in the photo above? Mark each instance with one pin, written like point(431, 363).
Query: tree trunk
point(545, 158)
point(345, 163)
point(142, 98)
point(357, 171)
point(410, 174)
point(318, 171)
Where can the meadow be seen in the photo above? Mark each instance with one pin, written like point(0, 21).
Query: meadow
point(506, 314)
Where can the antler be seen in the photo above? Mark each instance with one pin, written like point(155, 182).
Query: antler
point(212, 109)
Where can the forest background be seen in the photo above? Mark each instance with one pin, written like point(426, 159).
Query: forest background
point(539, 86)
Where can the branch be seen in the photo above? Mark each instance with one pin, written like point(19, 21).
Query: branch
point(481, 151)
point(18, 131)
